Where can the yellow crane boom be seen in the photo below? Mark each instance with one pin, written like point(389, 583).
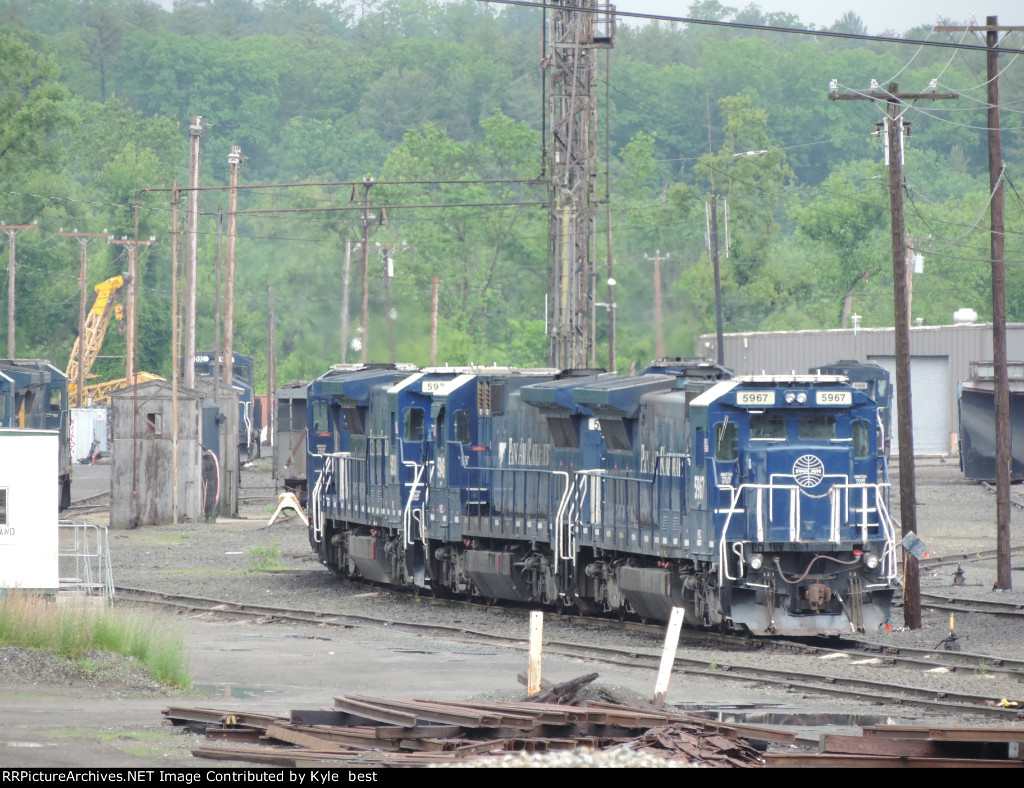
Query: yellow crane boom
point(96, 322)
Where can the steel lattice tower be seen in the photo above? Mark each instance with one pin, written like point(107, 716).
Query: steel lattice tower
point(575, 31)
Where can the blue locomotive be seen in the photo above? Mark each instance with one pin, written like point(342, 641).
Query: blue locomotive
point(755, 503)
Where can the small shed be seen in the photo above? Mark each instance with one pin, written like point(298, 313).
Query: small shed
point(29, 551)
point(142, 455)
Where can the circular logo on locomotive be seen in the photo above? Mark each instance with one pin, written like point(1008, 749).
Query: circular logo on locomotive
point(808, 471)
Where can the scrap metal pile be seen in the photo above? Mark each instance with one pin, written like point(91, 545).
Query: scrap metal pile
point(367, 732)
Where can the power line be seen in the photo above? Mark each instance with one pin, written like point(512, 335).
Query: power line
point(765, 28)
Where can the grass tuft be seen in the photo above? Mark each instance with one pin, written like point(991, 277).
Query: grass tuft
point(266, 558)
point(72, 631)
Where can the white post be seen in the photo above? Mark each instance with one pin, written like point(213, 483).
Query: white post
point(668, 656)
point(536, 636)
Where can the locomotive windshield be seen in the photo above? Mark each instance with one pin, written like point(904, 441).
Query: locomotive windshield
point(767, 426)
point(817, 428)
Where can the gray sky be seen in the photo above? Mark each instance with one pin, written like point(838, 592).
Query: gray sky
point(877, 15)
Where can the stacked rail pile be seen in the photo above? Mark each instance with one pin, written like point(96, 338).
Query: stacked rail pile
point(886, 746)
point(366, 732)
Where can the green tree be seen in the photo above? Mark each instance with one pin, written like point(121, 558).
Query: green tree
point(749, 171)
point(849, 220)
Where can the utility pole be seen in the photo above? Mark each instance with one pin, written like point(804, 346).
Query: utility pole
point(365, 303)
point(175, 374)
point(659, 336)
point(991, 29)
point(77, 366)
point(713, 254)
point(577, 29)
point(908, 501)
point(12, 231)
point(271, 419)
point(433, 324)
point(217, 354)
point(609, 262)
point(229, 276)
point(130, 365)
point(344, 299)
point(712, 244)
point(195, 132)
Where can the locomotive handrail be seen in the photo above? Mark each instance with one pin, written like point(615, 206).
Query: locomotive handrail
point(418, 469)
point(316, 509)
point(560, 515)
point(888, 557)
point(836, 514)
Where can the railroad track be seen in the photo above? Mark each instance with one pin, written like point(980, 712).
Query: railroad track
point(1012, 610)
point(950, 560)
point(825, 684)
point(92, 503)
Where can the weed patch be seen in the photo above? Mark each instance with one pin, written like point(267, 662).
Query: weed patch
point(72, 631)
point(266, 558)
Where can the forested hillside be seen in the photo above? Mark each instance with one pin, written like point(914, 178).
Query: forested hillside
point(96, 98)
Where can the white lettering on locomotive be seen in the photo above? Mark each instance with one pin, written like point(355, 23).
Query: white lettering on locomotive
point(649, 462)
point(529, 453)
point(699, 487)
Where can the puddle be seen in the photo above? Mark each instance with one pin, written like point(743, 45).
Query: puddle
point(25, 744)
point(233, 691)
point(801, 720)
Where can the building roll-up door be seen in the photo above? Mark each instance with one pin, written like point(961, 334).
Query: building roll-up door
point(929, 381)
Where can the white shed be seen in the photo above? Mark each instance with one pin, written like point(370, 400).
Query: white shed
point(29, 466)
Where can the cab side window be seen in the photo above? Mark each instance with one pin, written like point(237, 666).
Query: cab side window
point(861, 440)
point(412, 426)
point(321, 423)
point(461, 427)
point(727, 443)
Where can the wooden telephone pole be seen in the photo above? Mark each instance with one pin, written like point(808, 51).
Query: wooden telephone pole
point(12, 231)
point(894, 100)
point(133, 244)
point(659, 334)
point(229, 276)
point(195, 133)
point(991, 29)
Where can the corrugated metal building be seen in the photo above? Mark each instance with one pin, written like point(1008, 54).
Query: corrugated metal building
point(142, 457)
point(940, 358)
